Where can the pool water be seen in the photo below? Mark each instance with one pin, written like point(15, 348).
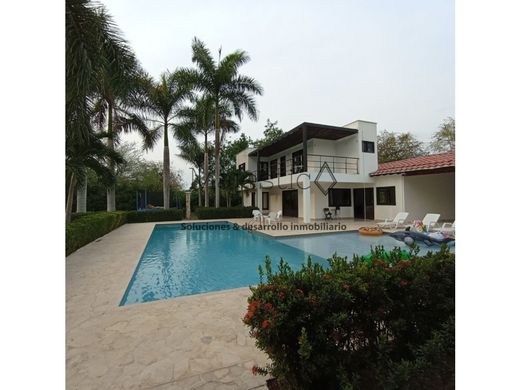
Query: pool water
point(348, 243)
point(186, 259)
point(204, 257)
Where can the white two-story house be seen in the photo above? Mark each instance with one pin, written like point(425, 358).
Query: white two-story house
point(295, 173)
point(315, 166)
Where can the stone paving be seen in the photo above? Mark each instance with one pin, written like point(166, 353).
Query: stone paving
point(193, 342)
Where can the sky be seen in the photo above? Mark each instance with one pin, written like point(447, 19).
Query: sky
point(330, 62)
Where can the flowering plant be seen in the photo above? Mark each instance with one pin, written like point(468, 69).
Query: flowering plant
point(357, 324)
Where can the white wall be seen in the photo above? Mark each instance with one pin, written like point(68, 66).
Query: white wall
point(430, 194)
point(389, 212)
point(367, 132)
point(243, 157)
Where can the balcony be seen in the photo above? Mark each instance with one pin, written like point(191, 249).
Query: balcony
point(337, 164)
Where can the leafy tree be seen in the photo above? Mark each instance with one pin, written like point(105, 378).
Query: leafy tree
point(271, 133)
point(164, 99)
point(231, 149)
point(444, 139)
point(221, 82)
point(233, 181)
point(93, 44)
point(398, 146)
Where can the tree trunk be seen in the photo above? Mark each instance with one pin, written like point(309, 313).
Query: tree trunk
point(217, 158)
point(70, 198)
point(81, 196)
point(111, 190)
point(166, 168)
point(200, 189)
point(206, 173)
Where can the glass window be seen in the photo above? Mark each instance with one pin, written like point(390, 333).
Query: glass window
point(297, 161)
point(339, 197)
point(265, 200)
point(273, 166)
point(242, 167)
point(282, 166)
point(368, 147)
point(385, 196)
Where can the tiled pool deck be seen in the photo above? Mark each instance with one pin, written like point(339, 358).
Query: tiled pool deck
point(194, 342)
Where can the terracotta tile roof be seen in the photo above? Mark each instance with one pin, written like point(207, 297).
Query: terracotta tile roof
point(425, 163)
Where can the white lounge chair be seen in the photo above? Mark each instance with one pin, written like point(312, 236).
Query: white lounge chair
point(274, 216)
point(448, 227)
point(430, 220)
point(398, 220)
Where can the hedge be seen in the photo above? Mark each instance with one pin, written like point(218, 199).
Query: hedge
point(155, 215)
point(224, 212)
point(88, 227)
point(387, 323)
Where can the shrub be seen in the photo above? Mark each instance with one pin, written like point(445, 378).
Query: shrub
point(384, 323)
point(155, 215)
point(89, 226)
point(223, 212)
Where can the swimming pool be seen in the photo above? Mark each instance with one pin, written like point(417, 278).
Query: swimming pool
point(348, 243)
point(185, 259)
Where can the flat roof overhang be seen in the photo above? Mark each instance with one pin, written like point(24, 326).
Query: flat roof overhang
point(295, 136)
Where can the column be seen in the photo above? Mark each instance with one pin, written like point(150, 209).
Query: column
point(306, 199)
point(259, 195)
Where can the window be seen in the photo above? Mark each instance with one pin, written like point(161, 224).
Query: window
point(264, 170)
point(369, 147)
point(242, 167)
point(273, 168)
point(339, 197)
point(265, 200)
point(282, 166)
point(385, 196)
point(253, 199)
point(297, 161)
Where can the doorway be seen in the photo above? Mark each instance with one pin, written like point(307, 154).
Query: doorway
point(364, 203)
point(290, 203)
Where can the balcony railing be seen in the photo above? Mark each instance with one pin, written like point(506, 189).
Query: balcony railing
point(315, 162)
point(337, 164)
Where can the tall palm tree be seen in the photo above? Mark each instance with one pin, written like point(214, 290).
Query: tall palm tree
point(221, 82)
point(116, 109)
point(99, 64)
point(164, 99)
point(193, 153)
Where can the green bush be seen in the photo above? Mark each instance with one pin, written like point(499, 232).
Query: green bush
point(155, 215)
point(385, 323)
point(224, 212)
point(89, 226)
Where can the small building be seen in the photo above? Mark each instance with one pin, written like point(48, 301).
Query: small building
point(313, 167)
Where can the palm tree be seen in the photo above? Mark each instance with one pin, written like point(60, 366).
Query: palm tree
point(163, 99)
point(99, 65)
point(94, 155)
point(221, 82)
point(194, 120)
point(193, 153)
point(117, 109)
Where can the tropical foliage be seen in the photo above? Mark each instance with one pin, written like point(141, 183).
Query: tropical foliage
point(444, 139)
point(384, 323)
point(228, 91)
point(398, 146)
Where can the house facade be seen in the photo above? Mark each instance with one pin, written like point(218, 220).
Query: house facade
point(315, 166)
